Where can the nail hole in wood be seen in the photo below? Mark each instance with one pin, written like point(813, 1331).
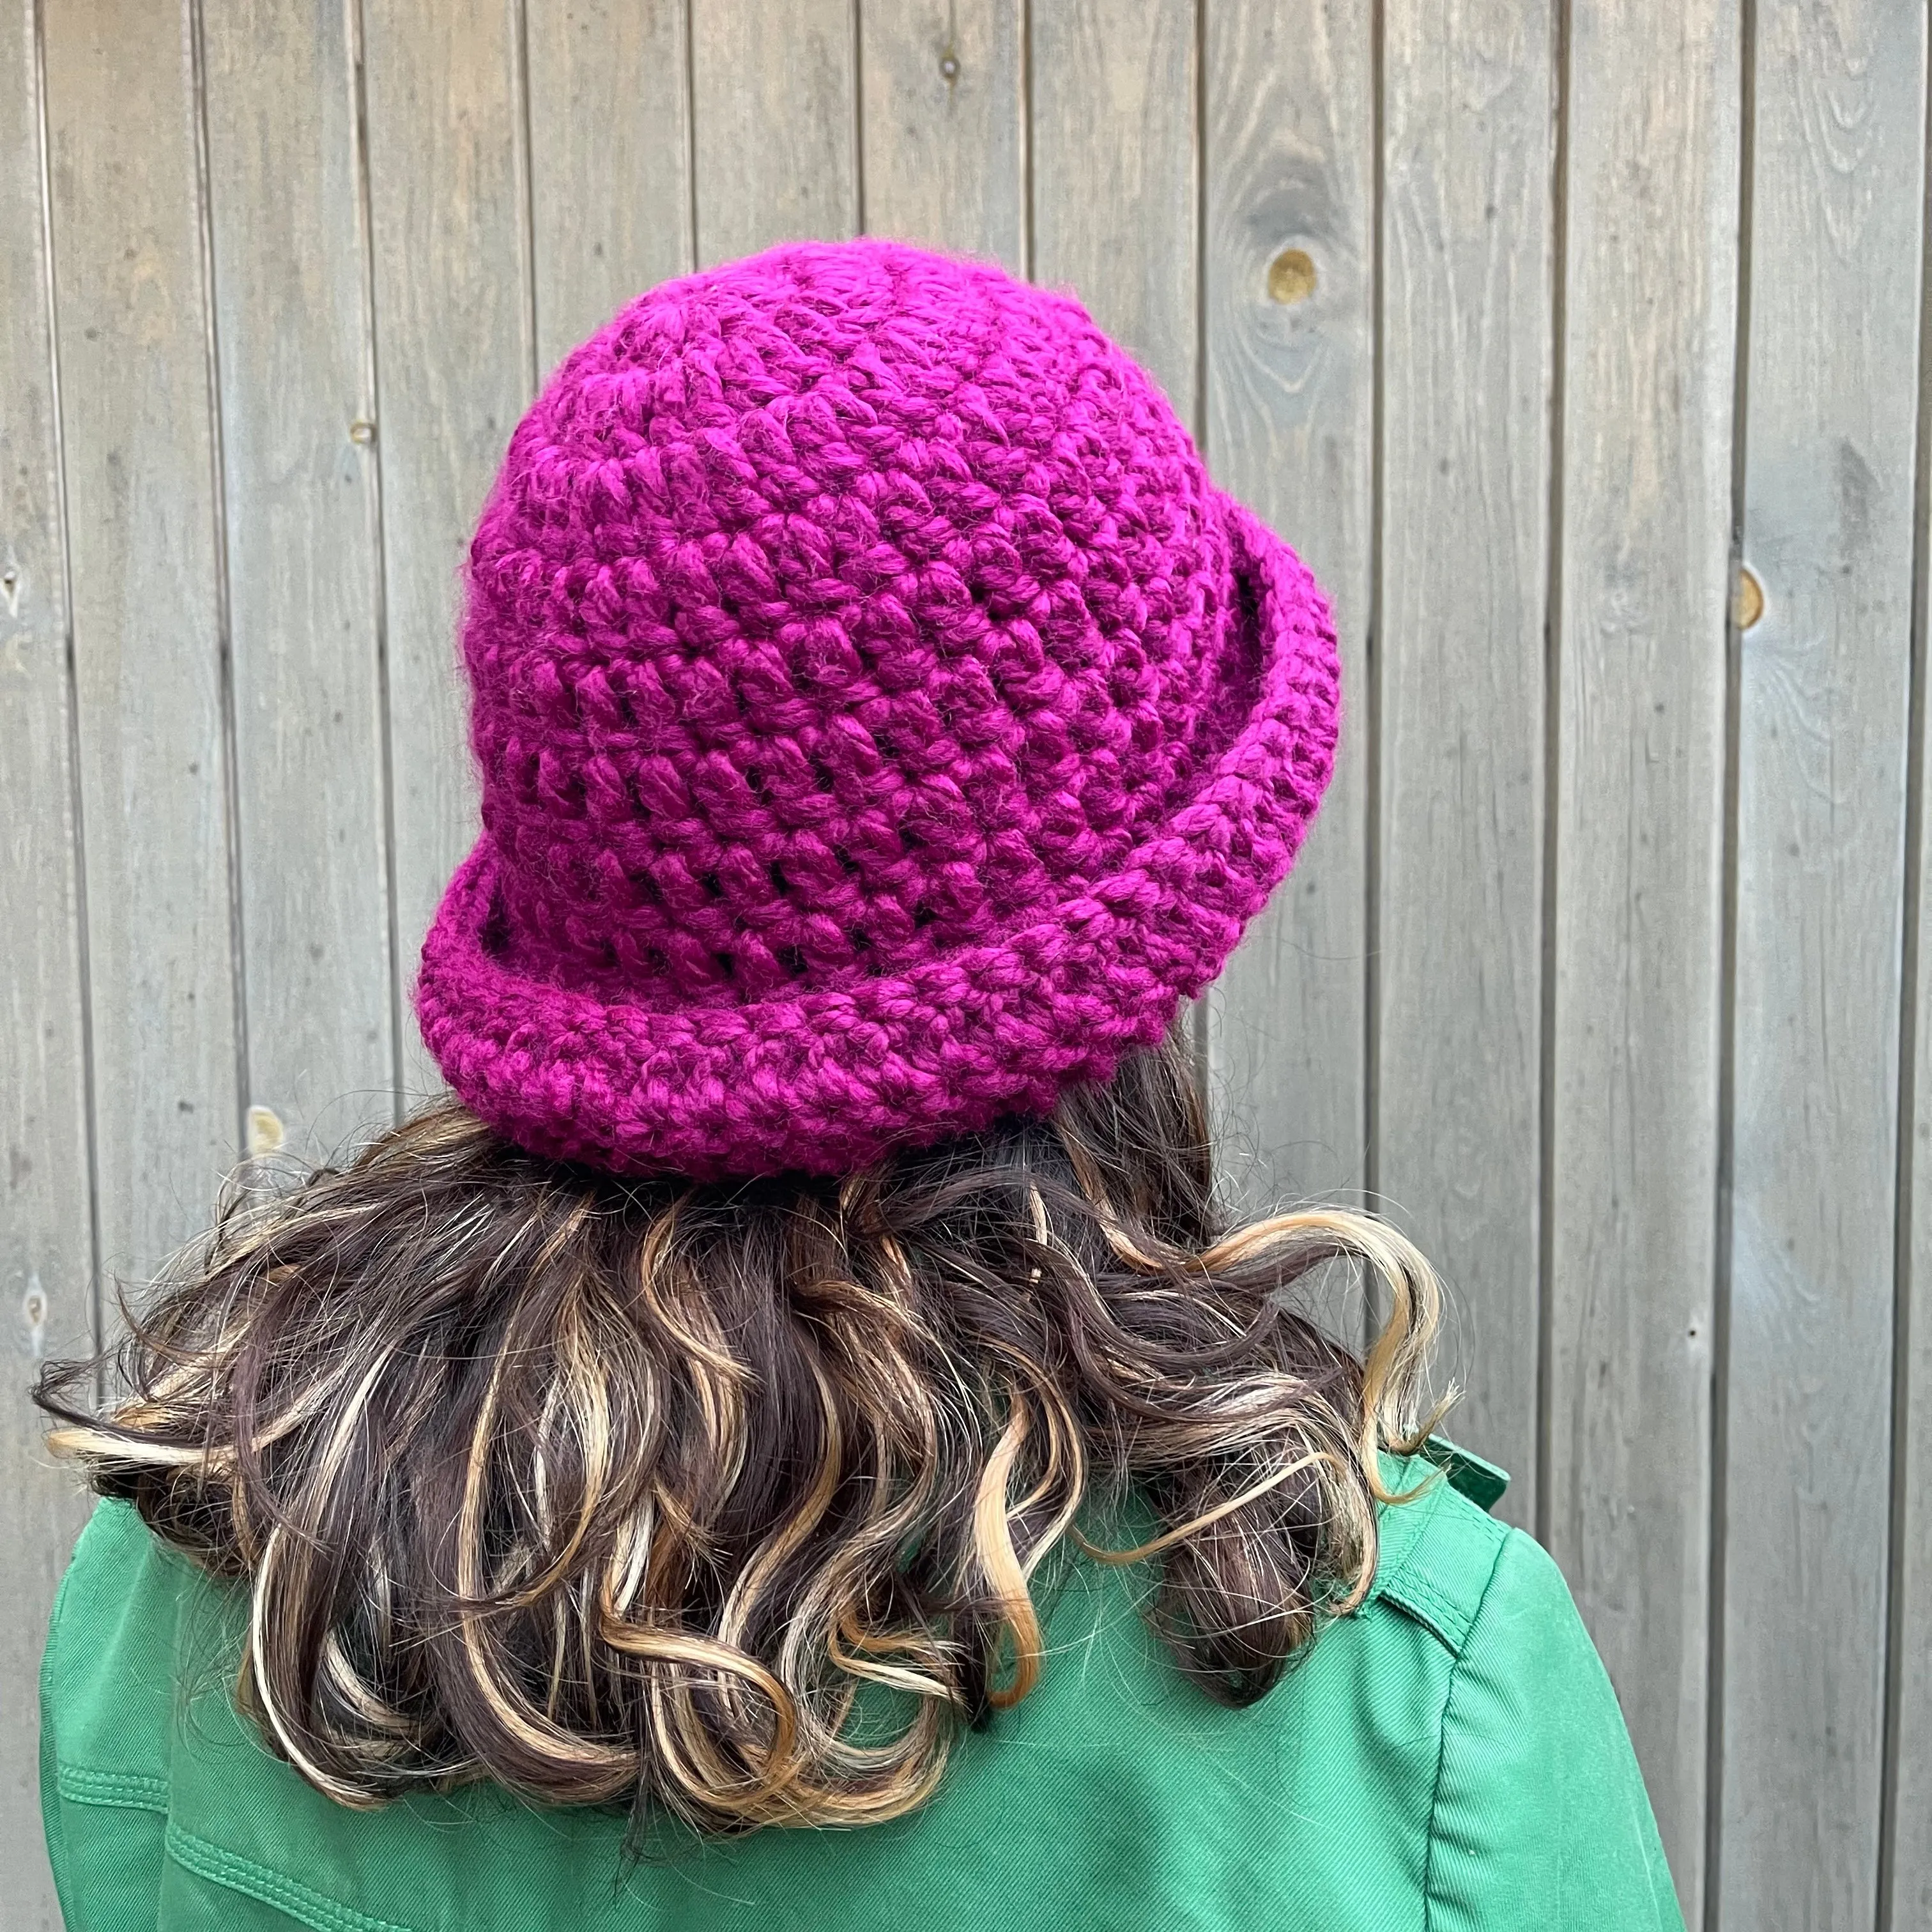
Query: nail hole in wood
point(1291, 276)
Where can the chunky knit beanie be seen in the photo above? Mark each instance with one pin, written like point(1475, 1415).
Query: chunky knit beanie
point(883, 723)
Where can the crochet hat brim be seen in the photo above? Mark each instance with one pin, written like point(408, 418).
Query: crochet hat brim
point(827, 1081)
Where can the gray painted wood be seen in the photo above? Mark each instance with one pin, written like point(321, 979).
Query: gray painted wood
point(454, 363)
point(1824, 679)
point(1906, 1886)
point(1114, 195)
point(303, 580)
point(1290, 412)
point(610, 98)
point(1648, 367)
point(137, 424)
point(46, 1260)
point(1468, 113)
point(774, 97)
point(944, 133)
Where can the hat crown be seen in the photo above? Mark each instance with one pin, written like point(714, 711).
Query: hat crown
point(833, 611)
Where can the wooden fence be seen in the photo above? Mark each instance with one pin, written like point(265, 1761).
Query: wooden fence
point(1576, 345)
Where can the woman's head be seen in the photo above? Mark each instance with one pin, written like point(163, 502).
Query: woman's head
point(629, 1489)
point(883, 723)
point(884, 726)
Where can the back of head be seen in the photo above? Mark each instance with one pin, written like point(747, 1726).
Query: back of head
point(884, 726)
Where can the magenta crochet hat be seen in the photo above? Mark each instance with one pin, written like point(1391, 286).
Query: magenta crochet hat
point(883, 723)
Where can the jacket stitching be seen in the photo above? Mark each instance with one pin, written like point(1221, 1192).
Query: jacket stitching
point(1408, 1587)
point(84, 1785)
point(1444, 1619)
point(1427, 1503)
point(224, 1867)
point(1442, 1742)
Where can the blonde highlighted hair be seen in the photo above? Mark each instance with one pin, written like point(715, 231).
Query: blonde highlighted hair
point(731, 1500)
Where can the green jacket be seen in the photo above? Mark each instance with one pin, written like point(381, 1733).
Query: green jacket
point(1450, 1756)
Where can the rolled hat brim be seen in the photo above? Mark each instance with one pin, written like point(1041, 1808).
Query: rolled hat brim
point(828, 1081)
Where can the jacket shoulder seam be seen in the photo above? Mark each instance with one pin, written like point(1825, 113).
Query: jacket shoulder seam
point(49, 1666)
point(221, 1867)
point(1424, 1586)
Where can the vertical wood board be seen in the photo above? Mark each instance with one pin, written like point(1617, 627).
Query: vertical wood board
point(454, 363)
point(1906, 1827)
point(610, 101)
point(136, 420)
point(1649, 354)
point(774, 94)
point(1906, 1885)
point(46, 1260)
point(944, 133)
point(1289, 421)
point(1115, 190)
point(1836, 218)
point(297, 415)
point(1469, 121)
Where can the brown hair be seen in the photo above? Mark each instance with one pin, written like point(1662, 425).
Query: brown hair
point(727, 1498)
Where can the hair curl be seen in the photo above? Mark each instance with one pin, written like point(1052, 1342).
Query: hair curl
point(618, 1490)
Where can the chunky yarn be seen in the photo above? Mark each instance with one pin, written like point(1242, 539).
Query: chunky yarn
point(883, 723)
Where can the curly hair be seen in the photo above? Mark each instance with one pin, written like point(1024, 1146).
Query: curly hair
point(731, 1499)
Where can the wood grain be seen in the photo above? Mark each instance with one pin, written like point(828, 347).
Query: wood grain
point(1648, 346)
point(1907, 1884)
point(610, 99)
point(774, 95)
point(1290, 414)
point(944, 129)
point(303, 579)
point(455, 363)
point(46, 1259)
point(1467, 227)
point(136, 416)
point(1114, 185)
point(1824, 681)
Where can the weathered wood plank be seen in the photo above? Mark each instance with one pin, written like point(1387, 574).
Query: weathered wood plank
point(944, 125)
point(1468, 118)
point(455, 365)
point(1290, 413)
point(610, 159)
point(775, 123)
point(1114, 186)
point(46, 1259)
point(1648, 352)
point(136, 423)
point(1824, 677)
point(303, 578)
point(1906, 1886)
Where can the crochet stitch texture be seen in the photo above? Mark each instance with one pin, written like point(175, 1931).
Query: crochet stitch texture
point(883, 723)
